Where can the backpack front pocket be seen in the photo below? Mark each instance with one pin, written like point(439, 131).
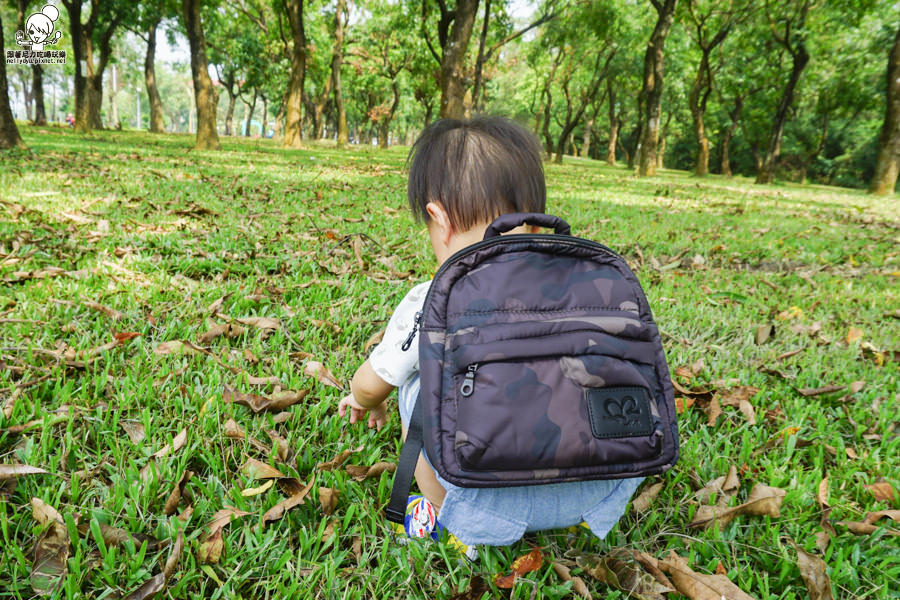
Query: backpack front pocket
point(550, 402)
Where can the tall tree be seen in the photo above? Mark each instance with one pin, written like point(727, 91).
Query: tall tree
point(887, 165)
point(651, 93)
point(711, 22)
point(205, 96)
point(37, 72)
point(293, 127)
point(454, 30)
point(9, 133)
point(341, 15)
point(157, 123)
point(788, 26)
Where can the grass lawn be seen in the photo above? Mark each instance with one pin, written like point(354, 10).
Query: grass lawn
point(781, 288)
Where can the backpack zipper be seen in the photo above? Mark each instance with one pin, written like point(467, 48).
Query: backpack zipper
point(468, 384)
point(412, 333)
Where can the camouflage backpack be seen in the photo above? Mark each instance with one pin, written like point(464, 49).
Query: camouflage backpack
point(539, 363)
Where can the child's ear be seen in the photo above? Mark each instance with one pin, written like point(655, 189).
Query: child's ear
point(440, 217)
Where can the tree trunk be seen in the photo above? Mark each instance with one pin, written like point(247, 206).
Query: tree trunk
point(249, 120)
point(385, 124)
point(766, 172)
point(479, 60)
point(697, 105)
point(887, 166)
point(293, 127)
point(157, 124)
point(264, 129)
point(453, 86)
point(205, 95)
point(229, 113)
point(337, 58)
point(613, 124)
point(586, 137)
point(113, 121)
point(81, 42)
point(9, 133)
point(651, 93)
point(319, 109)
point(37, 91)
point(735, 115)
point(26, 93)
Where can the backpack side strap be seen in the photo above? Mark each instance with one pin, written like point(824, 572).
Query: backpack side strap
point(406, 467)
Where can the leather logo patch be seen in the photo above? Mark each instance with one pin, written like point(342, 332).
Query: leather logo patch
point(619, 411)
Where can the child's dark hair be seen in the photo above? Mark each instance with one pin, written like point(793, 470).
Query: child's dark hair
point(476, 170)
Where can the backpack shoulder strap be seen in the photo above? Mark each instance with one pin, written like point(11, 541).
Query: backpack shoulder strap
point(406, 467)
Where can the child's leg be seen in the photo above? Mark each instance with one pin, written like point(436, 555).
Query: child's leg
point(427, 481)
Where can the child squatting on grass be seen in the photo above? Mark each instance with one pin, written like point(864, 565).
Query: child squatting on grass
point(464, 174)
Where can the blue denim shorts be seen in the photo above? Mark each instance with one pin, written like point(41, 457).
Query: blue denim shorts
point(499, 516)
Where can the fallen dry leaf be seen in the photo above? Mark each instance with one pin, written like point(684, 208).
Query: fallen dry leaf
point(175, 495)
point(373, 341)
point(825, 389)
point(618, 570)
point(256, 403)
point(109, 312)
point(216, 306)
point(646, 497)
point(259, 470)
point(278, 511)
point(764, 500)
point(234, 431)
point(854, 334)
point(763, 333)
point(124, 336)
point(134, 431)
point(228, 330)
point(51, 550)
point(578, 585)
point(882, 491)
point(225, 516)
point(177, 444)
point(339, 459)
point(257, 490)
point(328, 498)
point(178, 347)
point(713, 412)
point(476, 590)
point(115, 536)
point(362, 472)
point(683, 403)
point(812, 569)
point(726, 485)
point(316, 369)
point(698, 586)
point(210, 550)
point(521, 566)
point(13, 471)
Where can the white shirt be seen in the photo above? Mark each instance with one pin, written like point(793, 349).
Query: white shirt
point(388, 359)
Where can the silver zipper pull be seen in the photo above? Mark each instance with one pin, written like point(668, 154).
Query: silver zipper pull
point(468, 384)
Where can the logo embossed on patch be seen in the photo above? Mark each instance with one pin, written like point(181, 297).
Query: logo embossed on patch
point(619, 411)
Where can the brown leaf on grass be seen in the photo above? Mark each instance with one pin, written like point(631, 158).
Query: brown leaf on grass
point(713, 412)
point(216, 306)
point(362, 472)
point(684, 372)
point(763, 333)
point(51, 551)
point(177, 444)
point(822, 501)
point(123, 336)
point(316, 369)
point(786, 355)
point(258, 490)
point(267, 325)
point(210, 550)
point(854, 334)
point(174, 556)
point(726, 485)
point(825, 389)
point(134, 430)
point(109, 312)
point(373, 341)
point(278, 511)
point(698, 586)
point(178, 347)
point(228, 330)
point(234, 431)
point(339, 459)
point(356, 244)
point(690, 392)
point(683, 403)
point(812, 569)
point(651, 564)
point(13, 471)
point(857, 386)
point(764, 500)
point(578, 585)
point(250, 357)
point(256, 403)
point(225, 516)
point(115, 536)
point(175, 495)
point(477, 588)
point(646, 497)
point(328, 498)
point(619, 571)
point(882, 491)
point(259, 470)
point(279, 444)
point(521, 566)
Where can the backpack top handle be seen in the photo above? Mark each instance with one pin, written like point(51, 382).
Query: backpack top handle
point(509, 221)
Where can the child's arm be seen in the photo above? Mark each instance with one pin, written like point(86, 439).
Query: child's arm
point(368, 392)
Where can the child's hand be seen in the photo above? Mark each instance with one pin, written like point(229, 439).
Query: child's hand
point(377, 414)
